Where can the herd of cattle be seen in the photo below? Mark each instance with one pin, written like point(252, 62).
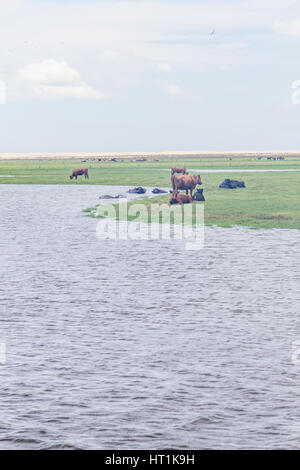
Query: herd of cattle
point(182, 181)
point(186, 182)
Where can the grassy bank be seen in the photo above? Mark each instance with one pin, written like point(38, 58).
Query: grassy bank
point(270, 199)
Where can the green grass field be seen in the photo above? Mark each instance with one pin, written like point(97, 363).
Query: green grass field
point(270, 199)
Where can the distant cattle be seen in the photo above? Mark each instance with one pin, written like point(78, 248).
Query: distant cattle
point(78, 172)
point(185, 182)
point(179, 169)
point(178, 198)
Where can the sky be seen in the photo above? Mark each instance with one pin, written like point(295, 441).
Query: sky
point(135, 75)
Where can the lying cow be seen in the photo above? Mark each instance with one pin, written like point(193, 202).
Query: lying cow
point(178, 198)
point(137, 190)
point(186, 182)
point(179, 169)
point(198, 195)
point(79, 171)
point(232, 184)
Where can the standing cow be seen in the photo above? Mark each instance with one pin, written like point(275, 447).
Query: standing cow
point(186, 182)
point(79, 171)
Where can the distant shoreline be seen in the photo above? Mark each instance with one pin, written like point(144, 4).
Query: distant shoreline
point(134, 155)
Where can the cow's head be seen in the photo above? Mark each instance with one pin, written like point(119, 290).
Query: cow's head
point(197, 179)
point(173, 198)
point(71, 177)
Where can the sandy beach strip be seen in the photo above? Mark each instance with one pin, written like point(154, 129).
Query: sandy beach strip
point(148, 155)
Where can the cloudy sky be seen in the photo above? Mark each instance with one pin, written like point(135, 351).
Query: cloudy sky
point(135, 75)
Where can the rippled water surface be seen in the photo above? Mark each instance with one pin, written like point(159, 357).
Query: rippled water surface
point(142, 344)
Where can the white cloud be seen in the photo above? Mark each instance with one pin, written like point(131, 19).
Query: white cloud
point(49, 71)
point(165, 67)
point(174, 89)
point(51, 79)
point(115, 44)
point(289, 27)
point(111, 55)
point(57, 92)
point(73, 29)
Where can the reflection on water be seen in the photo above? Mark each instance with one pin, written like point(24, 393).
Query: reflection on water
point(142, 344)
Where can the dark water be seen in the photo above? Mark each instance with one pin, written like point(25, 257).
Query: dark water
point(143, 344)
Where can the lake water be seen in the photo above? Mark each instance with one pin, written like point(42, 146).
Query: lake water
point(142, 344)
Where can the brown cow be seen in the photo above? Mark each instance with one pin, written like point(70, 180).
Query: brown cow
point(179, 169)
point(79, 171)
point(178, 198)
point(187, 182)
